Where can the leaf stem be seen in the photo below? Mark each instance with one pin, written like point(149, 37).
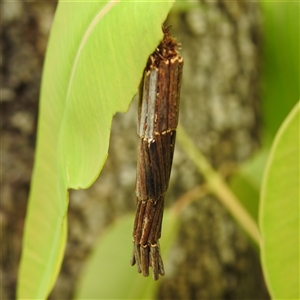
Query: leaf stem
point(218, 186)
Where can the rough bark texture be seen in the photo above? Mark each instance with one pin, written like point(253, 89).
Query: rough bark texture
point(212, 258)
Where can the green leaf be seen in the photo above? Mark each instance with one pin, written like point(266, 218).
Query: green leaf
point(95, 58)
point(280, 62)
point(246, 193)
point(108, 274)
point(279, 212)
point(246, 182)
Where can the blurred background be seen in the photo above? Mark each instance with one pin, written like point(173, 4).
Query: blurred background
point(240, 80)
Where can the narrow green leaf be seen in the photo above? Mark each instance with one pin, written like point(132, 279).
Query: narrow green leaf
point(279, 212)
point(95, 58)
point(109, 264)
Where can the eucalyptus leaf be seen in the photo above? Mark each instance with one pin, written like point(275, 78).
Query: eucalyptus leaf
point(95, 58)
point(279, 212)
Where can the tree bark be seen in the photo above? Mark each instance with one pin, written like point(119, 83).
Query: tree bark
point(212, 257)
